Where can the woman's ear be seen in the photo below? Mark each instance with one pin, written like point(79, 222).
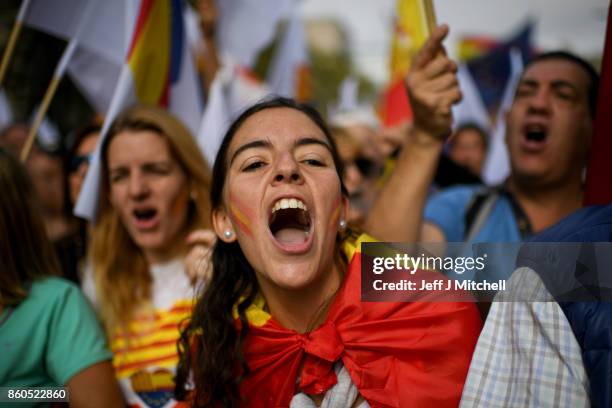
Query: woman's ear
point(223, 225)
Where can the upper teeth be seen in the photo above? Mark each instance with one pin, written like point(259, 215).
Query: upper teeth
point(288, 203)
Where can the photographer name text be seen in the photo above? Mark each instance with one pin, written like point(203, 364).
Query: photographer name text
point(439, 284)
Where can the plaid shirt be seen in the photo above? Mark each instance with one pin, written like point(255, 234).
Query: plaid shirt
point(527, 355)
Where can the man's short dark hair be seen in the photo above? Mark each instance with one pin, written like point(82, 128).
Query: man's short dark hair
point(484, 136)
point(582, 63)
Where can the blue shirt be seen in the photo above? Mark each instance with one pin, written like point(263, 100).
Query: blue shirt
point(447, 209)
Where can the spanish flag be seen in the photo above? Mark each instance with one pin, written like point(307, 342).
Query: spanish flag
point(398, 354)
point(411, 27)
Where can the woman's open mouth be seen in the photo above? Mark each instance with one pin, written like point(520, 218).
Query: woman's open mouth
point(145, 218)
point(291, 225)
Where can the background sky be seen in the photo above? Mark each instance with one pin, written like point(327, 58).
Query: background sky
point(576, 25)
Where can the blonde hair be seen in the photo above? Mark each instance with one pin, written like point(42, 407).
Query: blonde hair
point(121, 275)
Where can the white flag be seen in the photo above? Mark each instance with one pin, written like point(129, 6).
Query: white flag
point(232, 91)
point(247, 26)
point(215, 119)
point(290, 57)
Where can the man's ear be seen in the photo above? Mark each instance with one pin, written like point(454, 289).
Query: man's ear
point(223, 225)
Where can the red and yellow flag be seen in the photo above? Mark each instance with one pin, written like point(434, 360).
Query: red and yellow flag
point(398, 354)
point(409, 33)
point(413, 22)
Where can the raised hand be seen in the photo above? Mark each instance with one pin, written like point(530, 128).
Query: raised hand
point(432, 86)
point(197, 261)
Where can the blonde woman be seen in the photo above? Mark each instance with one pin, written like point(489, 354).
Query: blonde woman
point(156, 187)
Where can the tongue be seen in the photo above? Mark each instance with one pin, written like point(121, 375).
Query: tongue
point(290, 236)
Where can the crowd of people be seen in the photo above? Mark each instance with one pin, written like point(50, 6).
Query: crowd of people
point(240, 286)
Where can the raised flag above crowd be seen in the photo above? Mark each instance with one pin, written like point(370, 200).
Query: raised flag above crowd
point(409, 33)
point(256, 283)
point(158, 70)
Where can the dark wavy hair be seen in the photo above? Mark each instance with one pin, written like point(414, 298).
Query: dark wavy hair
point(210, 346)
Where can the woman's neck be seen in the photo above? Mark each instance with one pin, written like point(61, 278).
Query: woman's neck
point(163, 255)
point(304, 309)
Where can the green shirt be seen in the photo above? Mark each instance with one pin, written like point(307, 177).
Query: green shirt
point(49, 337)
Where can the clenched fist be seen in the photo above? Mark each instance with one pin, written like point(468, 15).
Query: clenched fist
point(433, 87)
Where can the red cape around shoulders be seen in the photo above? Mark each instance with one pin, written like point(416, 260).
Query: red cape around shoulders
point(398, 354)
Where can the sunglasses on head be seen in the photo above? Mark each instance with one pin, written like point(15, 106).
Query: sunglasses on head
point(78, 161)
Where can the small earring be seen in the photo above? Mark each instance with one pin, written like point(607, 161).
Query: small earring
point(342, 224)
point(227, 234)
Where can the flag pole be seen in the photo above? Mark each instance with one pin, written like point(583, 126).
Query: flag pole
point(42, 110)
point(430, 15)
point(60, 70)
point(10, 45)
point(44, 106)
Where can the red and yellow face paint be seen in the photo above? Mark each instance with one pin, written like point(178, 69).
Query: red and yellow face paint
point(240, 215)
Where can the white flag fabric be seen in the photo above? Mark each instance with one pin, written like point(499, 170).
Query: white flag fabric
point(247, 26)
point(215, 119)
point(232, 91)
point(348, 98)
point(291, 55)
point(497, 164)
point(348, 111)
point(48, 134)
point(95, 76)
point(186, 93)
point(100, 47)
point(471, 108)
point(104, 34)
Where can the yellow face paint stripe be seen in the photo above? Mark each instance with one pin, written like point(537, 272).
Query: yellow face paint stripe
point(238, 216)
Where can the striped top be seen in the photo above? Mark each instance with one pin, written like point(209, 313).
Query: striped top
point(144, 355)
